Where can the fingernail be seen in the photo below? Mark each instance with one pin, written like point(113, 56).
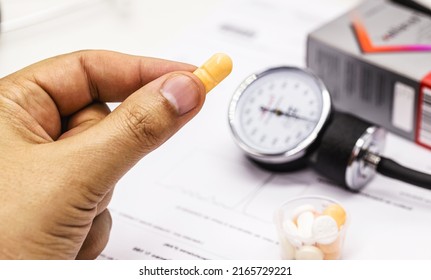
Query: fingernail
point(182, 92)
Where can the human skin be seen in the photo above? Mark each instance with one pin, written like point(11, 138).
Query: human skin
point(63, 151)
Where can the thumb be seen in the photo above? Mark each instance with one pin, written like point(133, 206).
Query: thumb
point(144, 121)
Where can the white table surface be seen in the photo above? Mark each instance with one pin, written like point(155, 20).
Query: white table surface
point(60, 26)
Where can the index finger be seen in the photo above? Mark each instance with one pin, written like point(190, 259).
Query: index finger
point(77, 79)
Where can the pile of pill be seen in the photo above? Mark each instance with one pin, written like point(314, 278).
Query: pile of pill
point(313, 235)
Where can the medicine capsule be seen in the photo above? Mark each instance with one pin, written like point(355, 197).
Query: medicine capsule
point(301, 209)
point(332, 247)
point(305, 225)
point(288, 250)
point(337, 212)
point(214, 70)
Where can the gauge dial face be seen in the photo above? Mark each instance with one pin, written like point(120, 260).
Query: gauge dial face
point(279, 112)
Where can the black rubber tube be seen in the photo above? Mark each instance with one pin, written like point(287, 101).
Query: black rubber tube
point(392, 169)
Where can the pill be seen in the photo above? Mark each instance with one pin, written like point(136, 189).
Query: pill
point(291, 233)
point(325, 229)
point(332, 256)
point(309, 253)
point(331, 247)
point(305, 224)
point(337, 213)
point(287, 249)
point(301, 209)
point(214, 70)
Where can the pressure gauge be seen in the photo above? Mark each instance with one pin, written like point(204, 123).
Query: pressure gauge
point(282, 119)
point(276, 116)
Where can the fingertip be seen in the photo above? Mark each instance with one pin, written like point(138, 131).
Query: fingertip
point(97, 237)
point(183, 91)
point(143, 122)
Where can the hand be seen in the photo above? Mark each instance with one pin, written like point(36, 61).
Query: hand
point(62, 151)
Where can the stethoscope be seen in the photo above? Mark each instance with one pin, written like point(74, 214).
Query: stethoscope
point(283, 120)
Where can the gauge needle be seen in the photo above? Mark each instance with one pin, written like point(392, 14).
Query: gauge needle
point(279, 112)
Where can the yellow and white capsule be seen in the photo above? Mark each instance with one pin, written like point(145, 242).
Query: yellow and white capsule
point(214, 70)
